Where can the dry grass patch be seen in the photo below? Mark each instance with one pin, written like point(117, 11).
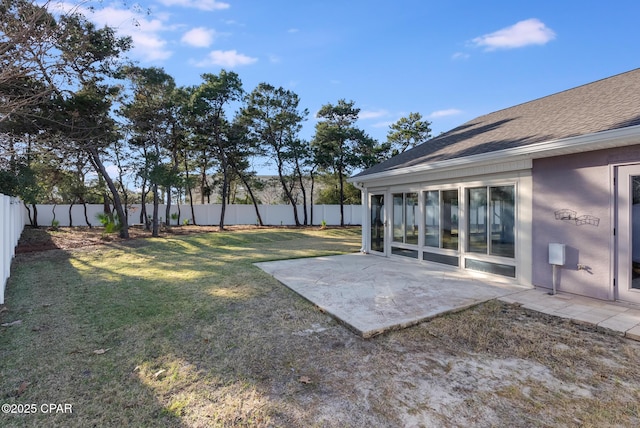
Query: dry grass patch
point(192, 334)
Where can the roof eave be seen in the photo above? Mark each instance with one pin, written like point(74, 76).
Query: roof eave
point(571, 145)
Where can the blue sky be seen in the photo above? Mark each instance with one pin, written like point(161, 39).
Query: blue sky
point(448, 60)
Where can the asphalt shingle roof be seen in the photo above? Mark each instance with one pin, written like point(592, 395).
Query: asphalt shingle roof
point(606, 104)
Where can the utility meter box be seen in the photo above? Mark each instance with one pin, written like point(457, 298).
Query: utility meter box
point(557, 254)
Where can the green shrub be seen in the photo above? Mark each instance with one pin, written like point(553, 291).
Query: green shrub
point(109, 222)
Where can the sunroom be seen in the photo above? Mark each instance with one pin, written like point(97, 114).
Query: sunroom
point(479, 222)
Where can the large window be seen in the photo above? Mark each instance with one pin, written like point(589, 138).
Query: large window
point(450, 219)
point(405, 218)
point(441, 219)
point(483, 240)
point(432, 218)
point(491, 220)
point(477, 220)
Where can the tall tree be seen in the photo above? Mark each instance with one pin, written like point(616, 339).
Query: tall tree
point(209, 102)
point(340, 146)
point(175, 145)
point(274, 121)
point(299, 154)
point(28, 36)
point(150, 113)
point(241, 149)
point(85, 124)
point(60, 62)
point(408, 132)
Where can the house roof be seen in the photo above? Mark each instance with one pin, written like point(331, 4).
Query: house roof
point(604, 105)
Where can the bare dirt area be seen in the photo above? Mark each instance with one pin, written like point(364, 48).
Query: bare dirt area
point(186, 332)
point(68, 238)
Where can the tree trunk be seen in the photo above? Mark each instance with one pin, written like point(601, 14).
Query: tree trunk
point(106, 204)
point(252, 196)
point(144, 215)
point(313, 182)
point(287, 192)
point(97, 163)
point(34, 221)
point(203, 176)
point(304, 192)
point(28, 213)
point(340, 179)
point(186, 170)
point(167, 210)
point(70, 216)
point(193, 212)
point(155, 226)
point(225, 184)
point(86, 214)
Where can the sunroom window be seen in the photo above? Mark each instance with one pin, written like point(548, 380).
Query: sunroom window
point(491, 220)
point(405, 218)
point(441, 219)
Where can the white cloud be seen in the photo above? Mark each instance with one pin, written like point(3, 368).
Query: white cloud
point(199, 37)
point(460, 55)
point(226, 59)
point(274, 59)
point(292, 30)
point(372, 114)
point(524, 33)
point(197, 4)
point(444, 113)
point(385, 124)
point(113, 171)
point(148, 44)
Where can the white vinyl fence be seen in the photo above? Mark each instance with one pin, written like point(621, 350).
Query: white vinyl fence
point(206, 215)
point(12, 221)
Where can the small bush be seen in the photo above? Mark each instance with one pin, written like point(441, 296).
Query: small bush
point(109, 222)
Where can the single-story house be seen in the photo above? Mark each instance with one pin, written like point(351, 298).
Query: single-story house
point(493, 193)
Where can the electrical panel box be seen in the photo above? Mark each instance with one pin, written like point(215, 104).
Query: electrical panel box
point(557, 254)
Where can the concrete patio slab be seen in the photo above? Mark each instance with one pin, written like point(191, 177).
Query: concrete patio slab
point(372, 294)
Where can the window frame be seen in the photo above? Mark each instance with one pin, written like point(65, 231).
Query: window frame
point(404, 218)
point(488, 217)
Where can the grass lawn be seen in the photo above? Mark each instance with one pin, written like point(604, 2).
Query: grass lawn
point(184, 331)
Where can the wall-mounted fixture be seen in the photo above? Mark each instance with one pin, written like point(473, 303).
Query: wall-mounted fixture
point(571, 215)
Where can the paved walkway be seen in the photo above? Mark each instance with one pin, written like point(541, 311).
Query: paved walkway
point(623, 319)
point(372, 294)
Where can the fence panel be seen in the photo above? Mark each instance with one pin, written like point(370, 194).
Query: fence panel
point(12, 221)
point(208, 215)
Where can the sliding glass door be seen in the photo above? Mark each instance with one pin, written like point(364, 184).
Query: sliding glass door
point(628, 233)
point(378, 223)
